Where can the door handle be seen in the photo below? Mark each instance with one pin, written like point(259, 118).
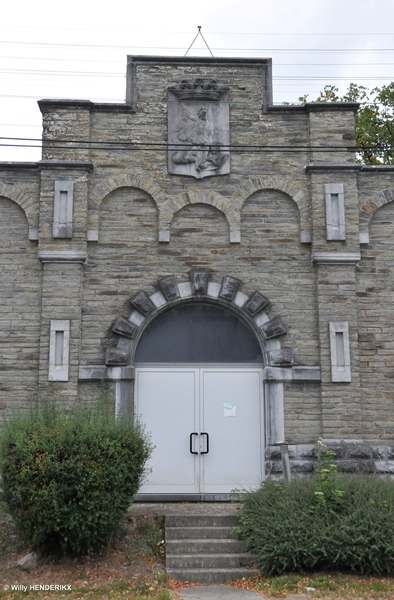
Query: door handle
point(207, 450)
point(191, 442)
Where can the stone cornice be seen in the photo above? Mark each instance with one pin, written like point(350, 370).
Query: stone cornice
point(62, 256)
point(315, 107)
point(198, 60)
point(327, 167)
point(335, 258)
point(50, 105)
point(20, 166)
point(81, 165)
point(377, 168)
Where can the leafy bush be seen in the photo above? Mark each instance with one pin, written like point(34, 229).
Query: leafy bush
point(68, 479)
point(289, 528)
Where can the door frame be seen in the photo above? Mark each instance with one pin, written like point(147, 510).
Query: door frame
point(199, 496)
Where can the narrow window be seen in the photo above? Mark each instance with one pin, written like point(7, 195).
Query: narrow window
point(63, 209)
point(340, 352)
point(335, 211)
point(59, 350)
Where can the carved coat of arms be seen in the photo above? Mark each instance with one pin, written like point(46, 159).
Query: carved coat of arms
point(198, 129)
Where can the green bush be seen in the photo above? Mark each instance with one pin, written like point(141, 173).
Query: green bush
point(303, 526)
point(69, 478)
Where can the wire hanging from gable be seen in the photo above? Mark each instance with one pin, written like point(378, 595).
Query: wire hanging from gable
point(199, 33)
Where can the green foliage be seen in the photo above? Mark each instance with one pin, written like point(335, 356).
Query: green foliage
point(68, 479)
point(289, 530)
point(374, 120)
point(328, 497)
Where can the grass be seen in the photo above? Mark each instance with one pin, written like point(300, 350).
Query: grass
point(116, 590)
point(322, 585)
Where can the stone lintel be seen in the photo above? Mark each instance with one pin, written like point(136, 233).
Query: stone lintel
point(102, 372)
point(328, 167)
point(336, 258)
point(301, 373)
point(62, 256)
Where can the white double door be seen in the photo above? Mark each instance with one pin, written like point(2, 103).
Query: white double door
point(207, 428)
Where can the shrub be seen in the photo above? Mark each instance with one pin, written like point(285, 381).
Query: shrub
point(289, 528)
point(68, 479)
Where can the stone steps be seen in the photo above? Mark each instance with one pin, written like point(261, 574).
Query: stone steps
point(204, 549)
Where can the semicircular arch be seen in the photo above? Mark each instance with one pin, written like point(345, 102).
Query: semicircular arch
point(369, 209)
point(106, 187)
point(289, 188)
point(199, 289)
point(26, 202)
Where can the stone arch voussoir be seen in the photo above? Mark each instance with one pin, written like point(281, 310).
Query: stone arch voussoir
point(25, 201)
point(104, 188)
point(288, 187)
point(176, 203)
point(250, 309)
point(369, 208)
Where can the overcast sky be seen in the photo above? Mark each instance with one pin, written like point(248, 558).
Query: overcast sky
point(78, 49)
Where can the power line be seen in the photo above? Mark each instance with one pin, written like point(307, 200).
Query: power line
point(128, 47)
point(164, 146)
point(221, 33)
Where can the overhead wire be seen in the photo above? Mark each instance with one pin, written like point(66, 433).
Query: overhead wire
point(165, 146)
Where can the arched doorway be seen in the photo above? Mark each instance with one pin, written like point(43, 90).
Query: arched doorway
point(199, 391)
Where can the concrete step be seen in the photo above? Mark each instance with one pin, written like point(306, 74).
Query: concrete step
point(193, 533)
point(210, 575)
point(208, 561)
point(204, 546)
point(204, 549)
point(202, 520)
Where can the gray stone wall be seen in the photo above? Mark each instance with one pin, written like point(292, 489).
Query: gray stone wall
point(264, 223)
point(376, 327)
point(20, 301)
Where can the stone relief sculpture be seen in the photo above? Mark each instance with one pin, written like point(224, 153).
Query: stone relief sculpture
point(198, 129)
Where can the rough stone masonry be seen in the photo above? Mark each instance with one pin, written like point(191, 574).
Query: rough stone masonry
point(199, 190)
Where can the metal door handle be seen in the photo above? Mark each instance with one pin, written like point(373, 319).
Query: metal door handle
point(207, 450)
point(191, 442)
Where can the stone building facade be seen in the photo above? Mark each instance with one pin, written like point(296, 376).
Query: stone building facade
point(159, 242)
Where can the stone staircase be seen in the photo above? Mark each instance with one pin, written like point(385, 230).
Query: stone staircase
point(204, 549)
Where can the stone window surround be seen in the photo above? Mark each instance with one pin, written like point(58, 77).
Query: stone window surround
point(340, 351)
point(59, 350)
point(63, 209)
point(335, 211)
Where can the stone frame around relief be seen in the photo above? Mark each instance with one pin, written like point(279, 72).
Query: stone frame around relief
point(198, 130)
